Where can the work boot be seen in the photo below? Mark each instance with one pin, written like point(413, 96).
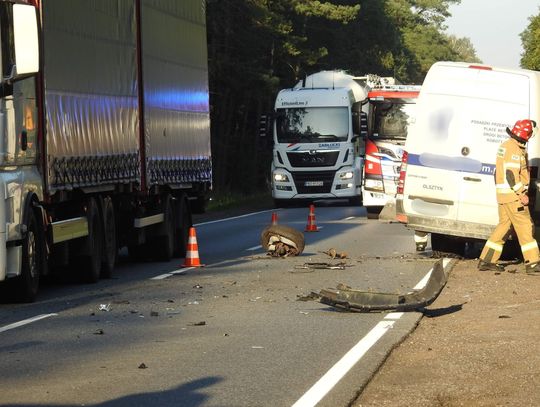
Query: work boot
point(532, 268)
point(485, 266)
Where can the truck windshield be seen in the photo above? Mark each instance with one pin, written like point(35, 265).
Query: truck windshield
point(312, 125)
point(391, 118)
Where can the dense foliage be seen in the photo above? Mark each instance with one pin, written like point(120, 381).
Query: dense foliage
point(257, 47)
point(530, 39)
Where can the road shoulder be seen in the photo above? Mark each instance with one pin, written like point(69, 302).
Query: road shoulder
point(476, 345)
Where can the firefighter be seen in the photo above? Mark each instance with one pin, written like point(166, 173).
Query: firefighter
point(512, 183)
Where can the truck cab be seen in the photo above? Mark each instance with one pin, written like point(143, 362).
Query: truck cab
point(317, 150)
point(391, 111)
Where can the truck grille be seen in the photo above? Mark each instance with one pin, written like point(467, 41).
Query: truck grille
point(316, 182)
point(313, 158)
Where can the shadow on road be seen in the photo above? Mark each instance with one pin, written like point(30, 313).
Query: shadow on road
point(190, 394)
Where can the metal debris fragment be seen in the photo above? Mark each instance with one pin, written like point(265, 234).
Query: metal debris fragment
point(200, 323)
point(105, 307)
point(347, 298)
point(329, 266)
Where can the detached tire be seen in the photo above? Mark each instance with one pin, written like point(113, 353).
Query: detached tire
point(287, 232)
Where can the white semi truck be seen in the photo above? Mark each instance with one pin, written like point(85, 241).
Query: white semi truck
point(104, 134)
point(317, 148)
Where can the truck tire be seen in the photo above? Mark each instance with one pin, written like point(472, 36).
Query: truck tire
point(373, 212)
point(110, 249)
point(183, 223)
point(27, 284)
point(198, 205)
point(163, 244)
point(90, 262)
point(281, 230)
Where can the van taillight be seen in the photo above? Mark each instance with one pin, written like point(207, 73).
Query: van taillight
point(483, 67)
point(402, 173)
point(373, 163)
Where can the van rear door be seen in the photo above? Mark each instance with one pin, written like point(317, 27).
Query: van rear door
point(463, 114)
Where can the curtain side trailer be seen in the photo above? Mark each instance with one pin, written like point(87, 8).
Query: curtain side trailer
point(106, 142)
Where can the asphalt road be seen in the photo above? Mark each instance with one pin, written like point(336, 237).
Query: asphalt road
point(233, 333)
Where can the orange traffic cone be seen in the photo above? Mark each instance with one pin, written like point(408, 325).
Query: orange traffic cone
point(311, 226)
point(274, 218)
point(192, 251)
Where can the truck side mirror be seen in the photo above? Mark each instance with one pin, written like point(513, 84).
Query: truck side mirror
point(264, 125)
point(265, 130)
point(25, 32)
point(360, 123)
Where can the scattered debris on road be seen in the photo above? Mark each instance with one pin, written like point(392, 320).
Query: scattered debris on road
point(105, 307)
point(312, 296)
point(200, 323)
point(347, 298)
point(334, 254)
point(319, 266)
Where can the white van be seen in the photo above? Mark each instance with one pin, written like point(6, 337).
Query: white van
point(447, 186)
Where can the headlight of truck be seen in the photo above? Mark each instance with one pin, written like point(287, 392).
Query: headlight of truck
point(346, 175)
point(281, 177)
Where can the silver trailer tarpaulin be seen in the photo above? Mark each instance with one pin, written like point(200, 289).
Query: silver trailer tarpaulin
point(100, 128)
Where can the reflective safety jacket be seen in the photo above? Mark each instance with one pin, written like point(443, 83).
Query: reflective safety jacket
point(511, 171)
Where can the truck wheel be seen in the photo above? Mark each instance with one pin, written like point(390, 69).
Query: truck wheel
point(27, 284)
point(183, 224)
point(285, 231)
point(110, 249)
point(355, 201)
point(198, 205)
point(90, 262)
point(164, 243)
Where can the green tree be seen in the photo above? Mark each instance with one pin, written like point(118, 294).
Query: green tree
point(463, 49)
point(257, 47)
point(530, 40)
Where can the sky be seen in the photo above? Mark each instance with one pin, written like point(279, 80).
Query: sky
point(493, 26)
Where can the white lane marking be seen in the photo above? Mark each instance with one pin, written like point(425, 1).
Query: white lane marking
point(254, 248)
point(424, 281)
point(25, 322)
point(340, 369)
point(172, 273)
point(235, 217)
point(394, 315)
point(347, 362)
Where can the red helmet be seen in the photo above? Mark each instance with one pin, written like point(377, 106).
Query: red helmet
point(523, 129)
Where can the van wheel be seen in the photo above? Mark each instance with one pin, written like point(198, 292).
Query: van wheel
point(110, 249)
point(447, 246)
point(26, 285)
point(90, 261)
point(373, 212)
